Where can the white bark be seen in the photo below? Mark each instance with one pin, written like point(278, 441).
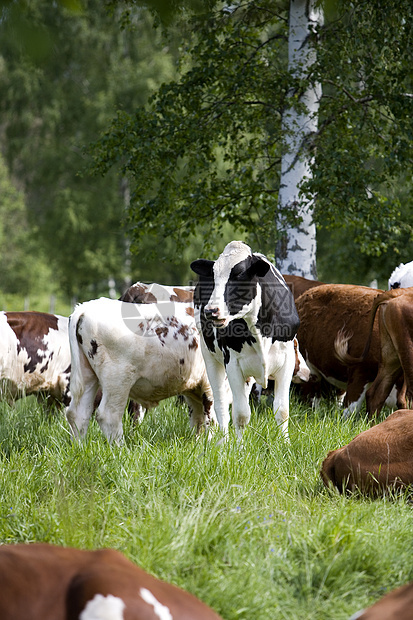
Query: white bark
point(296, 253)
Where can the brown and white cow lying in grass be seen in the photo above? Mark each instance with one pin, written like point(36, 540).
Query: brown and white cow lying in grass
point(396, 605)
point(146, 352)
point(378, 459)
point(44, 582)
point(34, 355)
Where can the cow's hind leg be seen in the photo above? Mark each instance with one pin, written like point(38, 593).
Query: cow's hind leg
point(201, 411)
point(81, 405)
point(110, 412)
point(380, 389)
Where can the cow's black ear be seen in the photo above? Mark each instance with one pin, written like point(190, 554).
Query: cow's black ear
point(203, 267)
point(258, 267)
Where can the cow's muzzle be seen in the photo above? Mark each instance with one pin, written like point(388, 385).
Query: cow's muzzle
point(212, 314)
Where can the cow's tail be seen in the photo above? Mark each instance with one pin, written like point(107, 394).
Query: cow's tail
point(77, 386)
point(342, 339)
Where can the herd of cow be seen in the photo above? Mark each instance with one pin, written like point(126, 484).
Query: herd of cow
point(243, 324)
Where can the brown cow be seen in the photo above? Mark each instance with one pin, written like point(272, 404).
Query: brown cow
point(396, 605)
point(377, 459)
point(325, 311)
point(44, 582)
point(299, 285)
point(396, 349)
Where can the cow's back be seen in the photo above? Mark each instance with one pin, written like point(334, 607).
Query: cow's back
point(298, 285)
point(142, 293)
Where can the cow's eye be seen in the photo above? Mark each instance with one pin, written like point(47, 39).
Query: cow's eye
point(241, 276)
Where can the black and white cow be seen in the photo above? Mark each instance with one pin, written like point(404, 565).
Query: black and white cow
point(34, 355)
point(247, 318)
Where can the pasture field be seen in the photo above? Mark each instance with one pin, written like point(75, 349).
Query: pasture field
point(252, 532)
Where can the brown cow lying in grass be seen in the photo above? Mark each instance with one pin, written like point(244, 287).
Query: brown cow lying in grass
point(380, 458)
point(43, 582)
point(397, 605)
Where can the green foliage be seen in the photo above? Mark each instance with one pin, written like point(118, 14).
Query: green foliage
point(365, 133)
point(22, 266)
point(251, 532)
point(53, 104)
point(202, 159)
point(208, 148)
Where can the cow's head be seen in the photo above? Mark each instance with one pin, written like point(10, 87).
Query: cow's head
point(243, 285)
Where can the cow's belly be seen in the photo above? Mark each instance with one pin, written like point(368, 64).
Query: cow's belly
point(18, 386)
point(156, 384)
point(149, 393)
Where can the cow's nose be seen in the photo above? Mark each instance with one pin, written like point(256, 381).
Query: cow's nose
point(211, 313)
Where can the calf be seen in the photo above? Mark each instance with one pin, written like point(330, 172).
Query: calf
point(146, 352)
point(247, 319)
point(44, 582)
point(378, 459)
point(396, 605)
point(141, 293)
point(34, 355)
point(326, 313)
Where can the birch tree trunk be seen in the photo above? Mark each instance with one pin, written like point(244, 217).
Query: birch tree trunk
point(296, 252)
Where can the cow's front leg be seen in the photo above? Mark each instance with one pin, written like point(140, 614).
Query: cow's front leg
point(240, 388)
point(218, 380)
point(282, 381)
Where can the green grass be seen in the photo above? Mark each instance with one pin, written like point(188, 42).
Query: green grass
point(250, 531)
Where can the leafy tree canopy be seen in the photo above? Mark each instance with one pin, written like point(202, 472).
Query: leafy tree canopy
point(59, 98)
point(207, 149)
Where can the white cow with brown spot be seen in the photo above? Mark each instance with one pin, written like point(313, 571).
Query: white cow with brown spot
point(34, 356)
point(146, 352)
